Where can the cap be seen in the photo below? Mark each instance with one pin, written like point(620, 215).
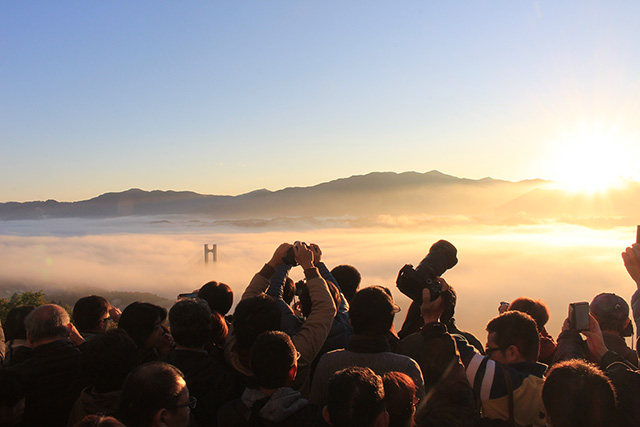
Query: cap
point(610, 307)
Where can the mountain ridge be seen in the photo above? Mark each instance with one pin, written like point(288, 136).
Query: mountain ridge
point(364, 196)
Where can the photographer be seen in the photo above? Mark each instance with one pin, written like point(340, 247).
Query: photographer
point(426, 276)
point(624, 376)
point(449, 398)
point(313, 333)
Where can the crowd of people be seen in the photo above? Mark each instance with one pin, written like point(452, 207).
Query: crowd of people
point(319, 352)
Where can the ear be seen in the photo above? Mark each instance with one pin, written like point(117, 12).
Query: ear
point(382, 420)
point(512, 354)
point(291, 376)
point(325, 415)
point(160, 418)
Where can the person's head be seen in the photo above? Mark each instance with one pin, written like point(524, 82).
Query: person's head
point(305, 297)
point(14, 328)
point(513, 337)
point(576, 393)
point(611, 312)
point(91, 314)
point(143, 322)
point(535, 308)
point(218, 295)
point(348, 278)
point(219, 329)
point(98, 421)
point(356, 398)
point(274, 360)
point(108, 359)
point(371, 312)
point(400, 398)
point(155, 394)
point(254, 316)
point(46, 323)
point(190, 322)
point(12, 398)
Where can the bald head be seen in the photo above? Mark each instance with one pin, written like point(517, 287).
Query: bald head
point(46, 323)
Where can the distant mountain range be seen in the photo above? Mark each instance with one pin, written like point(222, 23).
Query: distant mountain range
point(364, 196)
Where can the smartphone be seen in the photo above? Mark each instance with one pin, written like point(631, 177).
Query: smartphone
point(638, 235)
point(579, 316)
point(187, 295)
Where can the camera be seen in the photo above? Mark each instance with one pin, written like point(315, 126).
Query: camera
point(290, 257)
point(411, 281)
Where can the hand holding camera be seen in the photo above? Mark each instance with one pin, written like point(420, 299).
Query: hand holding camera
point(304, 255)
point(280, 255)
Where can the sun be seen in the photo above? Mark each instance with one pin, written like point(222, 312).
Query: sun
point(592, 160)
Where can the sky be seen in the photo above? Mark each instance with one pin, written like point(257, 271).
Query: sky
point(228, 97)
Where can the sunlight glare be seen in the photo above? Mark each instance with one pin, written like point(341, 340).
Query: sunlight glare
point(592, 160)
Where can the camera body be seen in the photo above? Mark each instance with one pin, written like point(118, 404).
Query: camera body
point(411, 281)
point(290, 257)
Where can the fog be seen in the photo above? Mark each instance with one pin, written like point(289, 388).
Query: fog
point(558, 263)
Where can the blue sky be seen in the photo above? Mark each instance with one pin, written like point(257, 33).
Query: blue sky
point(228, 97)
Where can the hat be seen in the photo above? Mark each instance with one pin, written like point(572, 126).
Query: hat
point(607, 306)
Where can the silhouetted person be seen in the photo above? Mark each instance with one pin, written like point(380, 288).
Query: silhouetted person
point(208, 379)
point(92, 316)
point(218, 295)
point(400, 399)
point(143, 322)
point(273, 401)
point(16, 334)
point(356, 398)
point(348, 278)
point(539, 310)
point(156, 395)
point(107, 360)
point(371, 313)
point(51, 372)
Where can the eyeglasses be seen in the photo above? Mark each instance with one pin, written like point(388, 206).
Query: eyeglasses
point(191, 403)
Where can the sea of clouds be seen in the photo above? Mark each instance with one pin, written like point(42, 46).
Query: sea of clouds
point(557, 262)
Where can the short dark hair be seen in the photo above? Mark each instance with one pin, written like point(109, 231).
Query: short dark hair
point(519, 329)
point(576, 393)
point(356, 397)
point(108, 359)
point(190, 322)
point(272, 356)
point(306, 304)
point(219, 329)
point(372, 311)
point(399, 395)
point(148, 389)
point(88, 312)
point(47, 321)
point(348, 278)
point(535, 308)
point(14, 328)
point(139, 320)
point(252, 317)
point(218, 295)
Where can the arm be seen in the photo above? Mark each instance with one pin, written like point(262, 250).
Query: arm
point(314, 331)
point(570, 345)
point(343, 308)
point(289, 323)
point(260, 282)
point(631, 258)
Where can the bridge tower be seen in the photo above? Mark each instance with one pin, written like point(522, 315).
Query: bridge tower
point(213, 251)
